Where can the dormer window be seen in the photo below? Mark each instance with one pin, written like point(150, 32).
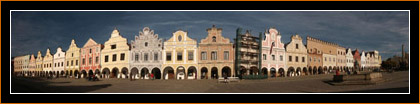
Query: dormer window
point(113, 46)
point(179, 38)
point(214, 38)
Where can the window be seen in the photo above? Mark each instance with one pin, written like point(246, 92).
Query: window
point(179, 38)
point(146, 56)
point(77, 61)
point(168, 56)
point(281, 57)
point(90, 60)
point(214, 55)
point(330, 58)
point(179, 56)
point(325, 58)
point(226, 55)
point(297, 46)
point(274, 57)
point(106, 58)
point(137, 57)
point(113, 46)
point(97, 59)
point(264, 57)
point(214, 38)
point(290, 58)
point(203, 55)
point(297, 59)
point(90, 50)
point(190, 55)
point(145, 44)
point(156, 56)
point(122, 57)
point(303, 59)
point(71, 62)
point(310, 59)
point(71, 54)
point(62, 64)
point(68, 63)
point(83, 61)
point(114, 57)
point(334, 59)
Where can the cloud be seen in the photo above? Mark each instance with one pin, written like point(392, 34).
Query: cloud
point(381, 30)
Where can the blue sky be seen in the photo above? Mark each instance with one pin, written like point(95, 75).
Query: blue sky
point(384, 31)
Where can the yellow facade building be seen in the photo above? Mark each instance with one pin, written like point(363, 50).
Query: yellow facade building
point(114, 56)
point(179, 53)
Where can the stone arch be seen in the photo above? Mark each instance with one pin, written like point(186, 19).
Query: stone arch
point(97, 73)
point(227, 71)
point(253, 70)
point(134, 73)
point(114, 73)
point(305, 71)
point(124, 72)
point(144, 73)
point(214, 73)
point(76, 73)
point(325, 70)
point(281, 72)
point(106, 73)
point(290, 71)
point(273, 72)
point(156, 73)
point(264, 71)
point(204, 73)
point(180, 73)
point(90, 72)
point(84, 74)
point(298, 71)
point(310, 71)
point(168, 73)
point(330, 69)
point(192, 72)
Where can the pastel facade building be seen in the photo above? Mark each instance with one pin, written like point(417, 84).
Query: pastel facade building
point(315, 49)
point(273, 54)
point(146, 55)
point(375, 59)
point(341, 58)
point(363, 60)
point(357, 59)
point(296, 56)
point(32, 65)
point(328, 51)
point(247, 53)
point(72, 59)
point(21, 65)
point(48, 62)
point(91, 54)
point(179, 53)
point(39, 64)
point(114, 56)
point(58, 62)
point(216, 56)
point(349, 60)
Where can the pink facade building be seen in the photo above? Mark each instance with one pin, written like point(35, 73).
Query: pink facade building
point(273, 54)
point(90, 55)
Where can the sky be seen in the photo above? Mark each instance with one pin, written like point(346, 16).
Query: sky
point(385, 31)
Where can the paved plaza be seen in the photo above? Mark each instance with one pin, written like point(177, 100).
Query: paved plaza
point(396, 82)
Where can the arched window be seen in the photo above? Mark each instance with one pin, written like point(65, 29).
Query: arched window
point(179, 38)
point(214, 38)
